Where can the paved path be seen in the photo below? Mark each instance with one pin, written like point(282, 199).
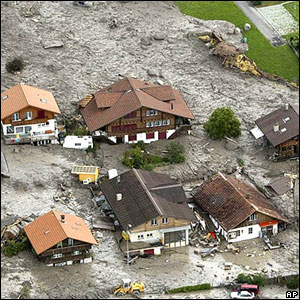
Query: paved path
point(261, 23)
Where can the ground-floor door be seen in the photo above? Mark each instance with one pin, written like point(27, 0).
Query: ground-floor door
point(162, 135)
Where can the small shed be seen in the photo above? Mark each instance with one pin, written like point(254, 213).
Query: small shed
point(281, 185)
point(88, 173)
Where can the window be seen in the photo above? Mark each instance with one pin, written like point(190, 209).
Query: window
point(164, 122)
point(165, 220)
point(168, 122)
point(59, 245)
point(238, 233)
point(148, 113)
point(147, 124)
point(253, 217)
point(149, 234)
point(77, 144)
point(152, 112)
point(58, 255)
point(28, 115)
point(151, 124)
point(150, 135)
point(155, 112)
point(160, 123)
point(156, 123)
point(10, 129)
point(19, 129)
point(283, 149)
point(154, 222)
point(70, 242)
point(28, 129)
point(4, 97)
point(132, 137)
point(140, 236)
point(76, 252)
point(250, 230)
point(16, 117)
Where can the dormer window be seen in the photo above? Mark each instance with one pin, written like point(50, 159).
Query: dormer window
point(286, 119)
point(43, 100)
point(4, 97)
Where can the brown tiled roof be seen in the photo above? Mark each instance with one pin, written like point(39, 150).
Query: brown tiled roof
point(21, 96)
point(231, 201)
point(266, 124)
point(128, 95)
point(280, 185)
point(142, 200)
point(105, 100)
point(48, 230)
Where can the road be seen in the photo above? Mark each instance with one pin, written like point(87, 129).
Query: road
point(260, 22)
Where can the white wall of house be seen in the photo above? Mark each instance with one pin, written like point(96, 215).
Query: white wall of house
point(112, 138)
point(170, 132)
point(31, 129)
point(244, 233)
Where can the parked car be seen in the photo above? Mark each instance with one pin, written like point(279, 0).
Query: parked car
point(242, 295)
point(252, 288)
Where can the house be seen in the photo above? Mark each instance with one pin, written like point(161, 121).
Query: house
point(28, 115)
point(86, 173)
point(238, 211)
point(151, 208)
point(133, 110)
point(281, 129)
point(78, 142)
point(60, 239)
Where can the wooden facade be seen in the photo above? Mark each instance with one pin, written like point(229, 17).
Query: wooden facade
point(289, 148)
point(172, 223)
point(38, 116)
point(260, 218)
point(65, 251)
point(135, 123)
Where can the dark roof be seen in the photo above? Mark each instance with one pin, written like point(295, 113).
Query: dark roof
point(266, 124)
point(128, 95)
point(280, 185)
point(231, 201)
point(145, 196)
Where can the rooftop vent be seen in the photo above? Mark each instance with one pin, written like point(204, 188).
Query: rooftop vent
point(283, 130)
point(47, 231)
point(276, 127)
point(286, 106)
point(127, 92)
point(4, 97)
point(43, 100)
point(119, 197)
point(62, 218)
point(286, 119)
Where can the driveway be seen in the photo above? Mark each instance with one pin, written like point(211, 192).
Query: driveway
point(261, 23)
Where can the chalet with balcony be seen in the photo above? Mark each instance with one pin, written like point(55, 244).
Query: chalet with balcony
point(132, 110)
point(281, 130)
point(152, 210)
point(60, 239)
point(238, 211)
point(28, 115)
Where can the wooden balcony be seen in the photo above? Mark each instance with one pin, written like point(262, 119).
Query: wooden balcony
point(25, 122)
point(50, 260)
point(63, 250)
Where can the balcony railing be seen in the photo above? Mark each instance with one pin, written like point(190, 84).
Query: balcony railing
point(50, 252)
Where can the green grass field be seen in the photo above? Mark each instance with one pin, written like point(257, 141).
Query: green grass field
point(280, 61)
point(294, 12)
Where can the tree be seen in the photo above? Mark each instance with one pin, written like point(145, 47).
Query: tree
point(223, 123)
point(175, 153)
point(15, 65)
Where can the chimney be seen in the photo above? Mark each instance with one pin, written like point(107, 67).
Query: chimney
point(276, 127)
point(62, 218)
point(286, 106)
point(119, 197)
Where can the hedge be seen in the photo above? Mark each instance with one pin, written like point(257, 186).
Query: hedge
point(190, 288)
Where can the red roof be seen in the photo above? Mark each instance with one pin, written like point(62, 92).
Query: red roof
point(128, 95)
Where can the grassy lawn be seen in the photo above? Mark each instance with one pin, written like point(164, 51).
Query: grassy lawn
point(292, 11)
point(280, 61)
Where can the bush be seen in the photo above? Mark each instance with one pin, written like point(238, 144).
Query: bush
point(175, 153)
point(258, 279)
point(190, 288)
point(256, 3)
point(13, 247)
point(140, 144)
point(223, 123)
point(80, 131)
point(25, 292)
point(293, 283)
point(240, 162)
point(15, 65)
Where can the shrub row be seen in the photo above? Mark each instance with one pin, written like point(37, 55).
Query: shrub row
point(190, 288)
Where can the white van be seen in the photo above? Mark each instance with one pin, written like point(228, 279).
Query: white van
point(78, 142)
